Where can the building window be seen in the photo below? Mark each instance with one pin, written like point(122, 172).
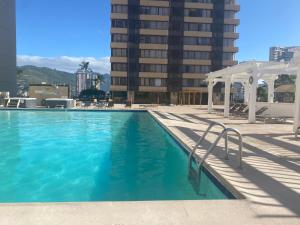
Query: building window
point(197, 27)
point(147, 10)
point(119, 81)
point(119, 67)
point(119, 52)
point(196, 55)
point(147, 53)
point(153, 82)
point(229, 28)
point(119, 9)
point(154, 68)
point(194, 83)
point(196, 69)
point(119, 23)
point(199, 1)
point(148, 39)
point(229, 14)
point(119, 37)
point(157, 25)
point(197, 13)
point(228, 56)
point(196, 41)
point(229, 42)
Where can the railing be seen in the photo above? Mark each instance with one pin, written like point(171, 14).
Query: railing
point(224, 134)
point(212, 124)
point(297, 132)
point(8, 102)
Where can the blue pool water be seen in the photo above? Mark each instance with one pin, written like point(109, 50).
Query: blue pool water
point(50, 156)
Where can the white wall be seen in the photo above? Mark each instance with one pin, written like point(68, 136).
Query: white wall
point(277, 109)
point(8, 72)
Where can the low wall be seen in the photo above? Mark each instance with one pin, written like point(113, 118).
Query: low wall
point(277, 109)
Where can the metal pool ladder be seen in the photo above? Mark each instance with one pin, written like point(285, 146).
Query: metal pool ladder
point(224, 134)
point(297, 132)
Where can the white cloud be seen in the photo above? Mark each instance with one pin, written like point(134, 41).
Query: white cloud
point(65, 63)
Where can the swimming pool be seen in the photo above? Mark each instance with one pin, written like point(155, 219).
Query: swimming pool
point(53, 156)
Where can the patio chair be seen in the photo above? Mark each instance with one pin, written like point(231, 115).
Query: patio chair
point(110, 104)
point(128, 104)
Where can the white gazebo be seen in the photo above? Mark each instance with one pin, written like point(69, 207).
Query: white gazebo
point(249, 73)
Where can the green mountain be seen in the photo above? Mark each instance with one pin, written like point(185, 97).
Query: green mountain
point(36, 75)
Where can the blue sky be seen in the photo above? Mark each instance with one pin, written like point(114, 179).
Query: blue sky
point(61, 33)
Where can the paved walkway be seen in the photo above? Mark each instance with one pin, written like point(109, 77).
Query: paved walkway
point(270, 178)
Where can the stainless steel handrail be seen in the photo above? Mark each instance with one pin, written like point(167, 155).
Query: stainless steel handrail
point(211, 125)
point(224, 133)
point(297, 132)
point(213, 145)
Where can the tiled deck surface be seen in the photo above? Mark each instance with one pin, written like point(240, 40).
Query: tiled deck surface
point(270, 181)
point(270, 178)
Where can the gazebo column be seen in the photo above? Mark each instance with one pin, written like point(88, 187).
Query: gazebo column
point(210, 96)
point(246, 93)
point(227, 98)
point(252, 100)
point(297, 102)
point(271, 84)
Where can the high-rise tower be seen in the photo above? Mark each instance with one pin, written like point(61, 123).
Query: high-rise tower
point(8, 70)
point(162, 49)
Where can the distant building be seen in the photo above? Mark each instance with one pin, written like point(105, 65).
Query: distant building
point(85, 78)
point(278, 54)
point(8, 70)
point(43, 91)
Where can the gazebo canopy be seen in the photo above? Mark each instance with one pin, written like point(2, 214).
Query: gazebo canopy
point(248, 73)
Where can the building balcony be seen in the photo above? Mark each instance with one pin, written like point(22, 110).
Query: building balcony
point(198, 19)
point(153, 61)
point(154, 3)
point(230, 49)
point(197, 34)
point(153, 75)
point(115, 30)
point(198, 5)
point(114, 59)
point(154, 32)
point(152, 89)
point(195, 89)
point(231, 35)
point(204, 48)
point(230, 62)
point(231, 7)
point(118, 45)
point(154, 46)
point(193, 76)
point(232, 21)
point(118, 74)
point(123, 16)
point(200, 62)
point(119, 2)
point(118, 88)
point(154, 17)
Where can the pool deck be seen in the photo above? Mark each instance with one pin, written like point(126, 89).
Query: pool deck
point(269, 181)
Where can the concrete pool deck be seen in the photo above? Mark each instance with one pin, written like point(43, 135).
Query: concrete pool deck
point(269, 180)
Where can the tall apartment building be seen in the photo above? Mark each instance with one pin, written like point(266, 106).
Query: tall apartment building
point(162, 49)
point(278, 54)
point(8, 70)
